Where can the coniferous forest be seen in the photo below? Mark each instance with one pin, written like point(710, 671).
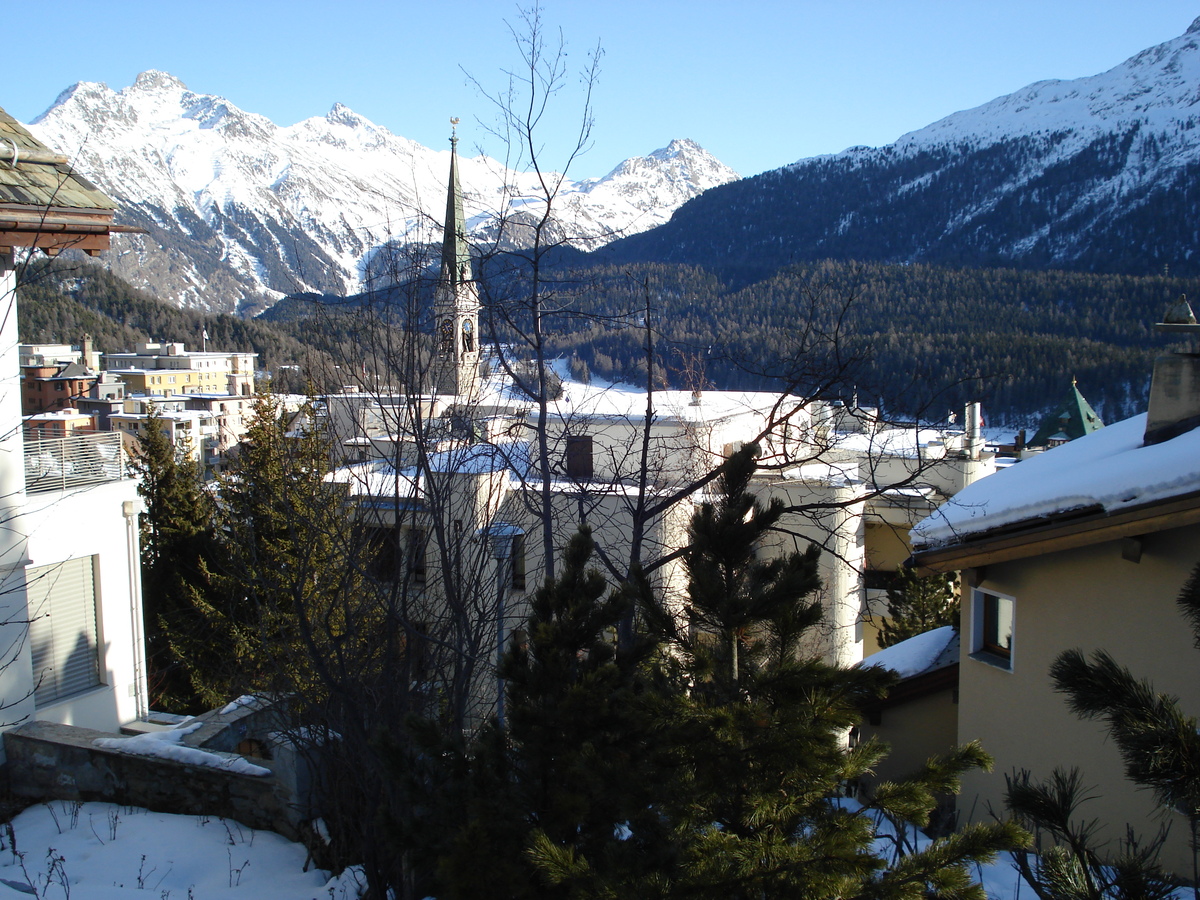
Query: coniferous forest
point(915, 339)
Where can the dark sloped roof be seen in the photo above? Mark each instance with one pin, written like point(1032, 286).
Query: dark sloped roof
point(38, 183)
point(1072, 419)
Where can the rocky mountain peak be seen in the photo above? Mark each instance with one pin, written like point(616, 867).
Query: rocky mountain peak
point(241, 211)
point(340, 114)
point(154, 80)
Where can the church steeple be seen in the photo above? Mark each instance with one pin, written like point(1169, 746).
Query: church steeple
point(456, 258)
point(456, 306)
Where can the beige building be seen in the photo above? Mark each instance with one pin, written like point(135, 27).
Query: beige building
point(58, 424)
point(169, 368)
point(1085, 546)
point(458, 490)
point(919, 716)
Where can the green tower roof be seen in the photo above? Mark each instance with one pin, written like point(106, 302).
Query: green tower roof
point(456, 257)
point(1072, 419)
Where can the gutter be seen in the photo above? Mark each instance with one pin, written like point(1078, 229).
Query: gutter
point(1064, 532)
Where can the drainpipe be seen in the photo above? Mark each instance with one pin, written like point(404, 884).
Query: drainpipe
point(16, 679)
point(131, 509)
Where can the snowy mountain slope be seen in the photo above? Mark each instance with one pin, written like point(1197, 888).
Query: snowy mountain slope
point(241, 211)
point(1097, 173)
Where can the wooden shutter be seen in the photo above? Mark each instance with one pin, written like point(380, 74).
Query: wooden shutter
point(62, 632)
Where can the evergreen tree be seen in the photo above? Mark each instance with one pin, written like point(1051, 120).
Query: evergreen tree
point(1158, 742)
point(567, 805)
point(1072, 866)
point(286, 542)
point(748, 750)
point(178, 549)
point(917, 604)
point(758, 745)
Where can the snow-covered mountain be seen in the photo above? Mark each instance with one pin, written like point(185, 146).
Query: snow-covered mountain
point(1099, 173)
point(241, 211)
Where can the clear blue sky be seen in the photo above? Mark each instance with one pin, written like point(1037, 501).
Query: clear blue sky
point(759, 84)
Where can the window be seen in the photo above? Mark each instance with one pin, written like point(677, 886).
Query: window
point(992, 628)
point(579, 456)
point(416, 555)
point(62, 633)
point(383, 550)
point(518, 561)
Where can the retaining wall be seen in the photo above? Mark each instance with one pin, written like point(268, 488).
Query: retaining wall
point(51, 761)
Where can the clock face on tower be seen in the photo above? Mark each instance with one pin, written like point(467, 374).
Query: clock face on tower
point(447, 336)
point(468, 337)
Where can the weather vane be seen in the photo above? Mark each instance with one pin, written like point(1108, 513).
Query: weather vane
point(454, 128)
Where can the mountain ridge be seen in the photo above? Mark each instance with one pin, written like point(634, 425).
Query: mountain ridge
point(1092, 173)
point(241, 211)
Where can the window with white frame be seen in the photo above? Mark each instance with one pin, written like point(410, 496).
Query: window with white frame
point(63, 634)
point(992, 628)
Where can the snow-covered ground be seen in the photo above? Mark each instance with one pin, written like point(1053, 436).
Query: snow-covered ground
point(100, 851)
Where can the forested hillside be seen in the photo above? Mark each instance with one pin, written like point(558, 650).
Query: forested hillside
point(918, 338)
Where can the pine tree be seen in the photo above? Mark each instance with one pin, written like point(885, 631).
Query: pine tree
point(758, 746)
point(1071, 866)
point(572, 777)
point(286, 539)
point(178, 550)
point(917, 604)
point(703, 761)
point(1158, 742)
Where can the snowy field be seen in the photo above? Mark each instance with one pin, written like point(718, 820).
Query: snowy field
point(100, 851)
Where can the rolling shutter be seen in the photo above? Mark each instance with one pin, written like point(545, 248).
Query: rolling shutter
point(62, 631)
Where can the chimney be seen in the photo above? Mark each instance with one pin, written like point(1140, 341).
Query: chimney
point(974, 424)
point(1175, 388)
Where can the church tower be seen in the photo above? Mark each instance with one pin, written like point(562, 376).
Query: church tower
point(456, 304)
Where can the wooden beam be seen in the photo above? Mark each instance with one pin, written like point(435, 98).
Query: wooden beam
point(53, 242)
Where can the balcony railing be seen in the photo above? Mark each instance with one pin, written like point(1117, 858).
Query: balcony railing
point(77, 461)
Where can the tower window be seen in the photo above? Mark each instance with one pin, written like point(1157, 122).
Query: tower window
point(518, 562)
point(416, 555)
point(579, 456)
point(468, 337)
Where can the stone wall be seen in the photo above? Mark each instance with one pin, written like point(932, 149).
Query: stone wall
point(51, 761)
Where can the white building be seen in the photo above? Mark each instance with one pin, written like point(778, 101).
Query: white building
point(467, 461)
point(70, 593)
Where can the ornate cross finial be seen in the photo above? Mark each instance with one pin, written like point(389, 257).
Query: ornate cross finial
point(454, 131)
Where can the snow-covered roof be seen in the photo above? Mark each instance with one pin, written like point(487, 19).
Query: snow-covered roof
point(1109, 470)
point(919, 654)
point(623, 402)
point(910, 443)
point(378, 478)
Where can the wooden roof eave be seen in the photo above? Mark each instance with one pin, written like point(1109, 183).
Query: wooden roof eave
point(54, 242)
point(1054, 534)
point(914, 687)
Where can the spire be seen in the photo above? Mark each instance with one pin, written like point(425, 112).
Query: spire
point(456, 258)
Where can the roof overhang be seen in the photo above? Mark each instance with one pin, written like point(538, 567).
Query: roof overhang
point(57, 228)
point(1067, 531)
